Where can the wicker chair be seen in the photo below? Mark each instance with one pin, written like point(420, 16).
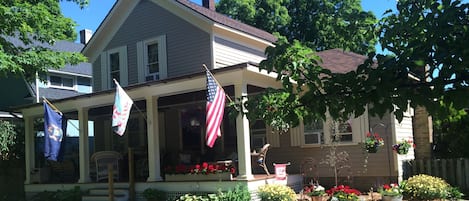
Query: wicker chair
point(102, 159)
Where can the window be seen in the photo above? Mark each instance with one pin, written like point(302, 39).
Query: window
point(314, 132)
point(60, 81)
point(342, 131)
point(152, 62)
point(114, 66)
point(151, 59)
point(258, 131)
point(84, 85)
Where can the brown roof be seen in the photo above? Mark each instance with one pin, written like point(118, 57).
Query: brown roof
point(339, 61)
point(227, 21)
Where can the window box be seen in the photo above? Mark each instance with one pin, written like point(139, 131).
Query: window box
point(223, 176)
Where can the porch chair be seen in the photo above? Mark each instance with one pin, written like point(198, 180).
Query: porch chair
point(261, 157)
point(102, 159)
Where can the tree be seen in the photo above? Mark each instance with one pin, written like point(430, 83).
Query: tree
point(37, 24)
point(427, 62)
point(319, 24)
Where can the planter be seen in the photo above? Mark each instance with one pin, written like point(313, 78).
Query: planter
point(224, 176)
point(319, 198)
point(403, 151)
point(372, 149)
point(392, 198)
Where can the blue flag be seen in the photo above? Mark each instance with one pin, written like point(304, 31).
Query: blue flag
point(53, 133)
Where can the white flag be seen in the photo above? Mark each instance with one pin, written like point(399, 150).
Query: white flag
point(120, 110)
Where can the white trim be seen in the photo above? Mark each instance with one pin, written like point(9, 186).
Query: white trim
point(106, 69)
point(69, 73)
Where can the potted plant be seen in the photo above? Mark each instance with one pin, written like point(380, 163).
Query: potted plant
point(426, 187)
point(152, 194)
point(391, 192)
point(316, 192)
point(276, 192)
point(402, 147)
point(199, 172)
point(343, 193)
point(373, 142)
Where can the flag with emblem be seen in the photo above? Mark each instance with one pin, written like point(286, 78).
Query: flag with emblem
point(53, 133)
point(214, 109)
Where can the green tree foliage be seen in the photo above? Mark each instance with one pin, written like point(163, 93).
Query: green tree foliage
point(319, 24)
point(426, 63)
point(449, 129)
point(7, 139)
point(38, 24)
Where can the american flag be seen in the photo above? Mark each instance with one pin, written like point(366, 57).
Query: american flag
point(121, 110)
point(215, 108)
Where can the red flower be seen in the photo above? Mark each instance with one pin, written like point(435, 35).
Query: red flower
point(386, 187)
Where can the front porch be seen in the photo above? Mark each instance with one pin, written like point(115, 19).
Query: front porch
point(166, 127)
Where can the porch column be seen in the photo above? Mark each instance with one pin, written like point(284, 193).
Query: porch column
point(29, 147)
point(84, 151)
point(154, 170)
point(242, 136)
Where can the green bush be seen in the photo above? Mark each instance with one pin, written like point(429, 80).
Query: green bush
point(154, 194)
point(239, 193)
point(425, 187)
point(74, 194)
point(191, 197)
point(276, 192)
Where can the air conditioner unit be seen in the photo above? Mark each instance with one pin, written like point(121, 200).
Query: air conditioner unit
point(152, 77)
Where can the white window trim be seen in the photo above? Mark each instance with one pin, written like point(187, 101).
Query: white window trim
point(360, 126)
point(142, 59)
point(50, 85)
point(106, 81)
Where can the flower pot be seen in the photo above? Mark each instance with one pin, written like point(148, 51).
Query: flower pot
point(319, 198)
point(403, 151)
point(223, 176)
point(392, 198)
point(373, 149)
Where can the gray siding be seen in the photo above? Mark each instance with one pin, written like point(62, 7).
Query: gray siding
point(188, 47)
point(97, 74)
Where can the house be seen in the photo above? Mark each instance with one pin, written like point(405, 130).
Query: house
point(156, 50)
point(71, 80)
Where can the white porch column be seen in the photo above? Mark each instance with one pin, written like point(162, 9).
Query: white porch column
point(154, 170)
point(243, 138)
point(84, 151)
point(29, 147)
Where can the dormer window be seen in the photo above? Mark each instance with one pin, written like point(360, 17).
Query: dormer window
point(62, 81)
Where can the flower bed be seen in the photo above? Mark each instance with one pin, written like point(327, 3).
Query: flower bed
point(199, 172)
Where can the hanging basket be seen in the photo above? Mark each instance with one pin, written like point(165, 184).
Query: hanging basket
point(371, 149)
point(402, 151)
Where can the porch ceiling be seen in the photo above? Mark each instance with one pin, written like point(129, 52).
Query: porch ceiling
point(245, 74)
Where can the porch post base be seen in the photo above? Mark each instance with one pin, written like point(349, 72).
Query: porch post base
point(245, 177)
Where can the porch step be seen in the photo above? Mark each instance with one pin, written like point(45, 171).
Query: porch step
point(102, 195)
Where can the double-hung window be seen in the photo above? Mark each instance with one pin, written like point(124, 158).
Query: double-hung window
point(114, 66)
point(151, 59)
point(314, 132)
point(342, 131)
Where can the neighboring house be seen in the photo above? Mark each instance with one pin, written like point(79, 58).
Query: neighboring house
point(71, 80)
point(156, 50)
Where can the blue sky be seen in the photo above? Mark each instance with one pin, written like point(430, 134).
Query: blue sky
point(91, 16)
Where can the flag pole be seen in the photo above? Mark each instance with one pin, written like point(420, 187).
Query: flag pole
point(231, 101)
point(57, 110)
point(133, 105)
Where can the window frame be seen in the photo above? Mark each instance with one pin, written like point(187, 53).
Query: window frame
point(318, 132)
point(50, 85)
point(143, 60)
point(106, 79)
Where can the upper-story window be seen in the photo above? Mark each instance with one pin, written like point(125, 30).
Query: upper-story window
point(151, 60)
point(62, 81)
point(114, 66)
point(314, 132)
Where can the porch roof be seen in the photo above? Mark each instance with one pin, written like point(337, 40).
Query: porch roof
point(243, 73)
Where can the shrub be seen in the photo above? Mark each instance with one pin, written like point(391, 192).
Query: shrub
point(276, 192)
point(191, 197)
point(425, 187)
point(74, 194)
point(154, 194)
point(239, 193)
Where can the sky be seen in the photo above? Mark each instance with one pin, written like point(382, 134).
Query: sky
point(91, 16)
